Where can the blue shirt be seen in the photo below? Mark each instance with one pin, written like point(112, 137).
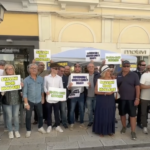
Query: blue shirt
point(33, 89)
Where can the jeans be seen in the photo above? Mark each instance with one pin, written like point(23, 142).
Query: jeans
point(80, 101)
point(4, 116)
point(12, 112)
point(63, 106)
point(90, 102)
point(49, 107)
point(38, 108)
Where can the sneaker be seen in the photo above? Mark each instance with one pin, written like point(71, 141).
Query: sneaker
point(58, 128)
point(11, 135)
point(145, 130)
point(17, 134)
point(82, 126)
point(71, 126)
point(42, 130)
point(49, 129)
point(28, 134)
point(133, 135)
point(65, 126)
point(123, 130)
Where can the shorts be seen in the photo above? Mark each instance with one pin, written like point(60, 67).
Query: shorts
point(127, 107)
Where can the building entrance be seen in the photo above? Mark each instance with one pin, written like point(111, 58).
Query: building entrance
point(19, 57)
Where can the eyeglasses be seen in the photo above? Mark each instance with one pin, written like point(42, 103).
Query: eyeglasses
point(126, 66)
point(9, 69)
point(55, 68)
point(33, 68)
point(143, 65)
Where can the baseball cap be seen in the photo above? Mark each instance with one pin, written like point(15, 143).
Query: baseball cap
point(125, 62)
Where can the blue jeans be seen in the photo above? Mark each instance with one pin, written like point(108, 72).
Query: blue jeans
point(4, 116)
point(12, 112)
point(90, 102)
point(63, 106)
point(80, 101)
point(38, 109)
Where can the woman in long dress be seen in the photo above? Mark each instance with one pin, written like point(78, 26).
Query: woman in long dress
point(104, 118)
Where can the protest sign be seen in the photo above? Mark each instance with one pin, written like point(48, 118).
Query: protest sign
point(57, 94)
point(112, 58)
point(10, 83)
point(80, 80)
point(42, 55)
point(93, 55)
point(75, 93)
point(107, 85)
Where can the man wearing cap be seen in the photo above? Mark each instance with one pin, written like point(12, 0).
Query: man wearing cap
point(129, 90)
point(53, 80)
point(79, 100)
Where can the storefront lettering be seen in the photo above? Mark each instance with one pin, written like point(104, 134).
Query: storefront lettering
point(135, 52)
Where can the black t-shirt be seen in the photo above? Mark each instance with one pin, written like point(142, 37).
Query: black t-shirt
point(126, 85)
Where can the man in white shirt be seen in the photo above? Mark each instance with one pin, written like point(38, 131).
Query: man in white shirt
point(53, 80)
point(145, 98)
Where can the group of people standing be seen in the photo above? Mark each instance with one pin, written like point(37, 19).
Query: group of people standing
point(102, 104)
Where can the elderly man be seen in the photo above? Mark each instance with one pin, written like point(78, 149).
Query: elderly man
point(90, 101)
point(41, 72)
point(33, 94)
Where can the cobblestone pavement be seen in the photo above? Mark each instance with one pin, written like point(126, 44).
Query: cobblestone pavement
point(74, 140)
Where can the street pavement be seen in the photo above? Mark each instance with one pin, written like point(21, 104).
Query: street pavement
point(82, 139)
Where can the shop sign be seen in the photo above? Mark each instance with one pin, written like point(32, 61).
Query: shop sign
point(136, 52)
point(10, 51)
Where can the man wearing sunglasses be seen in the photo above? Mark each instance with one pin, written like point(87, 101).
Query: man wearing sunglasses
point(53, 80)
point(79, 100)
point(129, 90)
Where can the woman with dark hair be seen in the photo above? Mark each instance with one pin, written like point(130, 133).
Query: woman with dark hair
point(104, 120)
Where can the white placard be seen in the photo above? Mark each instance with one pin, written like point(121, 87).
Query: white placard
point(42, 55)
point(80, 80)
point(10, 83)
point(56, 94)
point(107, 85)
point(112, 58)
point(74, 93)
point(92, 55)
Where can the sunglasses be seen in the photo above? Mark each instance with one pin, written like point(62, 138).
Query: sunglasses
point(126, 66)
point(143, 65)
point(55, 68)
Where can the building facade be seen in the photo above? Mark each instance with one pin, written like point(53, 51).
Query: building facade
point(114, 25)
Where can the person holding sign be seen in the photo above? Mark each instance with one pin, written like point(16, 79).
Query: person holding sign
point(33, 94)
point(129, 90)
point(104, 118)
point(11, 104)
point(55, 81)
point(75, 100)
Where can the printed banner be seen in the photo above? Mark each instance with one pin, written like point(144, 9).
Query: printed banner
point(113, 58)
point(80, 80)
point(75, 93)
point(56, 94)
point(93, 55)
point(42, 55)
point(107, 85)
point(10, 83)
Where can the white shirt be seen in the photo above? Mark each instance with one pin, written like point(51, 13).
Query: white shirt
point(145, 93)
point(1, 72)
point(50, 81)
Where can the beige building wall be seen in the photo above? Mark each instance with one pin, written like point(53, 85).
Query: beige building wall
point(106, 24)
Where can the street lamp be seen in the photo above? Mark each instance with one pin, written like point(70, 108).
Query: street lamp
point(2, 11)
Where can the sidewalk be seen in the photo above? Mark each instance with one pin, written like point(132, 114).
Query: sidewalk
point(74, 140)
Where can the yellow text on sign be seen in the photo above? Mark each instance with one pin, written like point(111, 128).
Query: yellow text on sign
point(9, 78)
